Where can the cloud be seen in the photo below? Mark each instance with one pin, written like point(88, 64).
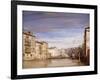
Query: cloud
point(64, 42)
point(48, 21)
point(62, 30)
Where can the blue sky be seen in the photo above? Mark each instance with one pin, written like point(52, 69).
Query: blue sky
point(61, 30)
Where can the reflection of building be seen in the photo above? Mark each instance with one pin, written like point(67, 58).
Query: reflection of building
point(87, 45)
point(28, 45)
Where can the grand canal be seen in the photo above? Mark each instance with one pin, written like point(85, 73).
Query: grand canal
point(65, 62)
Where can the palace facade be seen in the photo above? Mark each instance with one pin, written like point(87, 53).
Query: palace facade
point(33, 49)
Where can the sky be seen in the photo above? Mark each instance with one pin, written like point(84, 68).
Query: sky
point(58, 29)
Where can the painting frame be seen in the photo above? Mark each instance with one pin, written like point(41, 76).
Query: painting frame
point(14, 33)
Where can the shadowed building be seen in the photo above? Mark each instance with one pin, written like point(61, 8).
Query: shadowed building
point(87, 45)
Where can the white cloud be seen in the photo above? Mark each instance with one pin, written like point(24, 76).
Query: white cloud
point(64, 42)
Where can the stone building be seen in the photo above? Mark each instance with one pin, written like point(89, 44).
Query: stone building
point(28, 46)
point(38, 50)
point(44, 50)
point(54, 52)
point(87, 45)
point(33, 49)
point(41, 50)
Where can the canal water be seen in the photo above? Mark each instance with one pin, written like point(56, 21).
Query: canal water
point(66, 62)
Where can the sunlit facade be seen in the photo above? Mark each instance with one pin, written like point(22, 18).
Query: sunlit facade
point(33, 49)
point(28, 45)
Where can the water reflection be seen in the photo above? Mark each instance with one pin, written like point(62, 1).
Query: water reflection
point(36, 63)
point(51, 63)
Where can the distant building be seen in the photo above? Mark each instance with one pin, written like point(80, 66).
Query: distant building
point(54, 52)
point(63, 53)
point(28, 45)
